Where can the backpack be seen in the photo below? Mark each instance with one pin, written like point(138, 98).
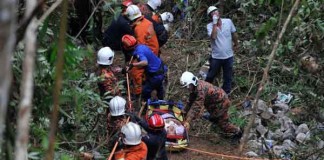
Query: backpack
point(161, 32)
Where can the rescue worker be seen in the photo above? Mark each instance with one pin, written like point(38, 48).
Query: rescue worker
point(118, 28)
point(166, 18)
point(156, 136)
point(153, 65)
point(143, 28)
point(150, 9)
point(204, 95)
point(107, 79)
point(134, 148)
point(116, 118)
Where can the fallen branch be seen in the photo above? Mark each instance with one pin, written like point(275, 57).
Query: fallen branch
point(265, 76)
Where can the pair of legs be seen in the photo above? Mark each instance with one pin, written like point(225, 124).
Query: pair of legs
point(219, 114)
point(215, 66)
point(153, 83)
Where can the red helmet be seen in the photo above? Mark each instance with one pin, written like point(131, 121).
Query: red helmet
point(127, 3)
point(129, 42)
point(156, 122)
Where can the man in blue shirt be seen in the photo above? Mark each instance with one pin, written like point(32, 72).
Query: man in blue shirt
point(154, 67)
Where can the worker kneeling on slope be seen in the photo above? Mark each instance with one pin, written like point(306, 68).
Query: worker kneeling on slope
point(213, 99)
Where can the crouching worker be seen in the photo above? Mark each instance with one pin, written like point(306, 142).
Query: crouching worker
point(213, 99)
point(133, 148)
point(156, 136)
point(116, 118)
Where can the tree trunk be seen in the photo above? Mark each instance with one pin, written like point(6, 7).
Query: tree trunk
point(27, 87)
point(7, 42)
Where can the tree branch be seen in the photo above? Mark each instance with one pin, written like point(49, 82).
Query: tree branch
point(265, 76)
point(27, 86)
point(58, 81)
point(7, 43)
point(49, 11)
point(20, 32)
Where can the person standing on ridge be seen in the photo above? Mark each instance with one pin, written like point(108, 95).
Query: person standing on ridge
point(223, 35)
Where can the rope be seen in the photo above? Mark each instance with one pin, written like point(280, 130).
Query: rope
point(130, 108)
point(221, 155)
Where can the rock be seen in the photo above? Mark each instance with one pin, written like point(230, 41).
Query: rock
point(321, 115)
point(246, 113)
point(262, 130)
point(289, 134)
point(252, 136)
point(302, 137)
point(288, 144)
point(277, 135)
point(283, 107)
point(269, 134)
point(267, 114)
point(320, 144)
point(254, 145)
point(251, 154)
point(286, 123)
point(257, 121)
point(279, 114)
point(262, 106)
point(303, 128)
point(278, 150)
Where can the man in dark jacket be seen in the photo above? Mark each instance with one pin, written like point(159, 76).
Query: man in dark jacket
point(117, 29)
point(155, 138)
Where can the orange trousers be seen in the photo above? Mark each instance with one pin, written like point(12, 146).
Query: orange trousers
point(137, 78)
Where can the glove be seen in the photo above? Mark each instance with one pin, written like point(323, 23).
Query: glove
point(215, 19)
point(120, 145)
point(129, 67)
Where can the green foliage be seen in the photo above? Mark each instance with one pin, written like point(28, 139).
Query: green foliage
point(235, 118)
point(266, 28)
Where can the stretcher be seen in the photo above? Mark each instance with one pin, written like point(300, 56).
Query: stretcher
point(177, 135)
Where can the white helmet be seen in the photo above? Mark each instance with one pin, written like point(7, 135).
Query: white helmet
point(154, 4)
point(167, 17)
point(105, 56)
point(132, 133)
point(188, 78)
point(133, 12)
point(211, 9)
point(167, 26)
point(117, 106)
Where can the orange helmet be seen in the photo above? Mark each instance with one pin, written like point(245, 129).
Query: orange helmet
point(127, 3)
point(129, 42)
point(156, 122)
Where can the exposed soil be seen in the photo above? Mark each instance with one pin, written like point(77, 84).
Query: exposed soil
point(212, 144)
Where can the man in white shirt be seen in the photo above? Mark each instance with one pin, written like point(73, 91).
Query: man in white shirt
point(223, 34)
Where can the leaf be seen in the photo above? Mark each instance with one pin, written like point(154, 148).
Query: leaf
point(33, 155)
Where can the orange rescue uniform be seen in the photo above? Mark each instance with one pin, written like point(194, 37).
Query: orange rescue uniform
point(137, 152)
point(144, 34)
